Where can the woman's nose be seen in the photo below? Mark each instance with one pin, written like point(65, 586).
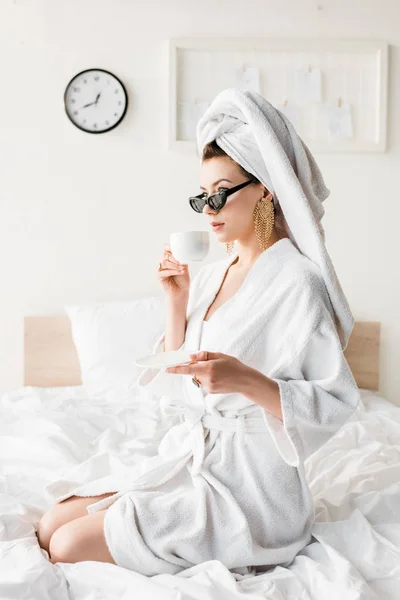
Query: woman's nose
point(207, 210)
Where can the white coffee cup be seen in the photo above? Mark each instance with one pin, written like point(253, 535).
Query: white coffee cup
point(189, 245)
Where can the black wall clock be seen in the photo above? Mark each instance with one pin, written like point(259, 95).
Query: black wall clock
point(95, 100)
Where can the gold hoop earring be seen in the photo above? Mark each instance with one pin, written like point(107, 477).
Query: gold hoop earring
point(264, 217)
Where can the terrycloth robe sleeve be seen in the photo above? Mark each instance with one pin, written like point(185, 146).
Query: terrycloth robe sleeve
point(318, 393)
point(155, 379)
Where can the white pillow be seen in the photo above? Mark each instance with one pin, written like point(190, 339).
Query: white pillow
point(108, 337)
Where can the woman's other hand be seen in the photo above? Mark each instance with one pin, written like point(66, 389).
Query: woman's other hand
point(219, 373)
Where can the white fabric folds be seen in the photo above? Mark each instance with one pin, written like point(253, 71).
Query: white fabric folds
point(264, 142)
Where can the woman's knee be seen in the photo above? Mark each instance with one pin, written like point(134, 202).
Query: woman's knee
point(48, 524)
point(62, 513)
point(80, 540)
point(63, 543)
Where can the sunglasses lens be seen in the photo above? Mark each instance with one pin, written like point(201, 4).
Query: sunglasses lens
point(197, 203)
point(217, 201)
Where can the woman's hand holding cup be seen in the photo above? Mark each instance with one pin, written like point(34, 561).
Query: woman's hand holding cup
point(173, 276)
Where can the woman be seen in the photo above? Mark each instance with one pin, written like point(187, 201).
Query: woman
point(267, 384)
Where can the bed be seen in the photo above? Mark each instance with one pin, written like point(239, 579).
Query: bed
point(51, 423)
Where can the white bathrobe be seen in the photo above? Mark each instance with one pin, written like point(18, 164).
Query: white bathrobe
point(227, 481)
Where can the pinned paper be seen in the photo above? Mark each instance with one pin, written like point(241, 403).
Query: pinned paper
point(292, 112)
point(309, 84)
point(248, 78)
point(190, 113)
point(340, 123)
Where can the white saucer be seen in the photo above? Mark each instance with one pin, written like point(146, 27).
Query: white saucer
point(173, 358)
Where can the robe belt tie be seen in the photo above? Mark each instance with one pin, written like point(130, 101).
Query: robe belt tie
point(199, 421)
point(183, 441)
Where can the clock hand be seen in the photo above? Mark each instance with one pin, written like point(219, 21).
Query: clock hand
point(90, 103)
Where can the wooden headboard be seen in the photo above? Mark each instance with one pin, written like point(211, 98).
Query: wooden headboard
point(50, 357)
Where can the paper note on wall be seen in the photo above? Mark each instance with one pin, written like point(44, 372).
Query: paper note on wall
point(188, 117)
point(340, 123)
point(309, 85)
point(293, 113)
point(248, 78)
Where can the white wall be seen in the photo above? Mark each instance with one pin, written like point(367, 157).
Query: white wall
point(84, 218)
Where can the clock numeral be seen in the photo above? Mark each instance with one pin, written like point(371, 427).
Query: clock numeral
point(73, 100)
point(116, 91)
point(115, 114)
point(85, 81)
point(96, 78)
point(107, 123)
point(120, 102)
point(76, 112)
point(84, 121)
point(76, 89)
point(95, 125)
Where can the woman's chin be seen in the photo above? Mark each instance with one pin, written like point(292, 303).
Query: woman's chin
point(223, 235)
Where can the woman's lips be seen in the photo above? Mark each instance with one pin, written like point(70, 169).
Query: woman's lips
point(217, 227)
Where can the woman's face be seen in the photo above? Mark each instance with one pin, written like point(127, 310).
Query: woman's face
point(237, 214)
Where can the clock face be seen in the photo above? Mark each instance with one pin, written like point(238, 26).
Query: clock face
point(95, 100)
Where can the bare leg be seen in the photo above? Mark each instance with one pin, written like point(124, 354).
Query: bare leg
point(81, 539)
point(62, 513)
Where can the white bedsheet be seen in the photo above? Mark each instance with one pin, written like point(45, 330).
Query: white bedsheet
point(354, 478)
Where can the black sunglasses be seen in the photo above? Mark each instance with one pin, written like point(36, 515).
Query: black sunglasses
point(217, 200)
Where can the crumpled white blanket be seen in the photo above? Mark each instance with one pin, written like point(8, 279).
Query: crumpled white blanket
point(354, 478)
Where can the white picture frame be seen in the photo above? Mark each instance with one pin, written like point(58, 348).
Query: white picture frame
point(199, 68)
